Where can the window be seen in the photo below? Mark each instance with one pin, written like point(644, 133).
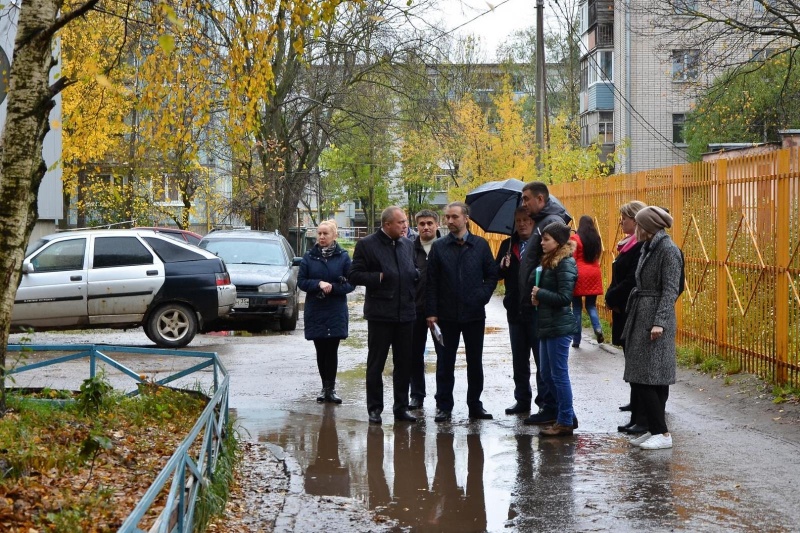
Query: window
point(685, 7)
point(762, 54)
point(678, 122)
point(760, 6)
point(606, 128)
point(601, 66)
point(120, 251)
point(64, 255)
point(170, 253)
point(172, 191)
point(685, 65)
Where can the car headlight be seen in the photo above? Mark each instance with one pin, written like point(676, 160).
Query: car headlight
point(273, 287)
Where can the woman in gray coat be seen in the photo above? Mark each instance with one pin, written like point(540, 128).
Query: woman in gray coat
point(651, 325)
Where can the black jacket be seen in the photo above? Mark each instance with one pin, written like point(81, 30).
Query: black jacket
point(552, 211)
point(390, 300)
point(461, 279)
point(421, 262)
point(510, 275)
point(623, 281)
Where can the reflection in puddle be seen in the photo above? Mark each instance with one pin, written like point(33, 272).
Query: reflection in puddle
point(476, 477)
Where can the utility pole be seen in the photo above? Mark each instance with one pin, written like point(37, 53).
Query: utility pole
point(540, 82)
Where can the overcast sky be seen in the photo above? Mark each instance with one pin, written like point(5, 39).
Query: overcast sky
point(493, 25)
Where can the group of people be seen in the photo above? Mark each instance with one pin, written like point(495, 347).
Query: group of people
point(441, 285)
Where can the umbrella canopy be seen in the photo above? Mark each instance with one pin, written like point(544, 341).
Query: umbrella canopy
point(492, 205)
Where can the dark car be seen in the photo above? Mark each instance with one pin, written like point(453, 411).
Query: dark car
point(182, 235)
point(264, 269)
point(122, 279)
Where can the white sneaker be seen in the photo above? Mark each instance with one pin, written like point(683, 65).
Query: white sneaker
point(640, 439)
point(657, 442)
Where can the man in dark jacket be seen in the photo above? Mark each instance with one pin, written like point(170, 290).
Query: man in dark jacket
point(543, 209)
point(462, 276)
point(509, 257)
point(427, 233)
point(383, 263)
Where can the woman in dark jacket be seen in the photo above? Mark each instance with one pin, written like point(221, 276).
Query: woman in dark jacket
point(323, 276)
point(623, 280)
point(553, 297)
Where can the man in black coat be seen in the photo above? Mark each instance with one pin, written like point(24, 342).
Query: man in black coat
point(462, 276)
point(427, 233)
point(543, 209)
point(509, 257)
point(383, 263)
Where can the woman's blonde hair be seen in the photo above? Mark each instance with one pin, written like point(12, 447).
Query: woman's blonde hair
point(331, 224)
point(631, 208)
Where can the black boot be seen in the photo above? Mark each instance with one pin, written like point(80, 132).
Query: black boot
point(323, 393)
point(330, 392)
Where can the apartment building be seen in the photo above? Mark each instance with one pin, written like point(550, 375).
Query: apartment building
point(638, 78)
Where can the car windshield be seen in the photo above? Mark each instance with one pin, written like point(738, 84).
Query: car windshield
point(247, 251)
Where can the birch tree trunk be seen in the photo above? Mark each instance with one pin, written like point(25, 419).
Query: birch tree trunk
point(22, 167)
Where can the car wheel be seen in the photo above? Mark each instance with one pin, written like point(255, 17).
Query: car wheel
point(172, 325)
point(290, 324)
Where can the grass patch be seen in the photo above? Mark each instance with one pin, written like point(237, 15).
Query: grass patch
point(785, 394)
point(355, 342)
point(83, 465)
point(212, 498)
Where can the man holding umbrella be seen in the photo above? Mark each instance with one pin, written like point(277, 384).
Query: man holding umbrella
point(509, 257)
point(543, 209)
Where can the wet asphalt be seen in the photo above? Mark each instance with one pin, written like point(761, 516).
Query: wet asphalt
point(734, 465)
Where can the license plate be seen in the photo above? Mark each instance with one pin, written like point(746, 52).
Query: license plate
point(241, 302)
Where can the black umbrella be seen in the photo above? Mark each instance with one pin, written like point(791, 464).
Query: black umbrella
point(492, 205)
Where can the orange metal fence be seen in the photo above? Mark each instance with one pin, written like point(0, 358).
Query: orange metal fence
point(738, 224)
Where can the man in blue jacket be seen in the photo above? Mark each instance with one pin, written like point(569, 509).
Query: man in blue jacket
point(383, 263)
point(462, 275)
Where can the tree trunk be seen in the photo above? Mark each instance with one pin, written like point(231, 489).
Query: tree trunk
point(22, 166)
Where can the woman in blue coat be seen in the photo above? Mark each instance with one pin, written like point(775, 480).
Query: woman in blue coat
point(323, 276)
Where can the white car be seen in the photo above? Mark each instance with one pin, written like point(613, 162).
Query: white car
point(122, 279)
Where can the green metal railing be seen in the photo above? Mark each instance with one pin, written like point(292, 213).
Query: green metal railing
point(184, 473)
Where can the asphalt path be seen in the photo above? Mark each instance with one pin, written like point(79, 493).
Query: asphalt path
point(733, 466)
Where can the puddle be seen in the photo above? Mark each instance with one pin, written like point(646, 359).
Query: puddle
point(472, 476)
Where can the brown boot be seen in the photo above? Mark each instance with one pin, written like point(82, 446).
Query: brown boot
point(556, 430)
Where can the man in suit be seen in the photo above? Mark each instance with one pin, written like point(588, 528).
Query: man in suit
point(462, 275)
point(383, 263)
point(509, 257)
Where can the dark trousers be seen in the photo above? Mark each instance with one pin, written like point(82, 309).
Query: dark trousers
point(652, 399)
point(380, 337)
point(418, 342)
point(529, 329)
point(472, 333)
point(518, 333)
point(327, 358)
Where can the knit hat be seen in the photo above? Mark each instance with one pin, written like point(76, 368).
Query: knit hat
point(652, 219)
point(559, 231)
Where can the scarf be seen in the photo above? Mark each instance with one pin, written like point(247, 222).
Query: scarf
point(626, 244)
point(327, 251)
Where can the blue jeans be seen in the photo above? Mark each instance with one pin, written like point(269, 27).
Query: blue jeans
point(591, 308)
point(554, 355)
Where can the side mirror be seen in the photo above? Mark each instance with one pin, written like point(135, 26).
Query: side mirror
point(296, 261)
point(27, 267)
